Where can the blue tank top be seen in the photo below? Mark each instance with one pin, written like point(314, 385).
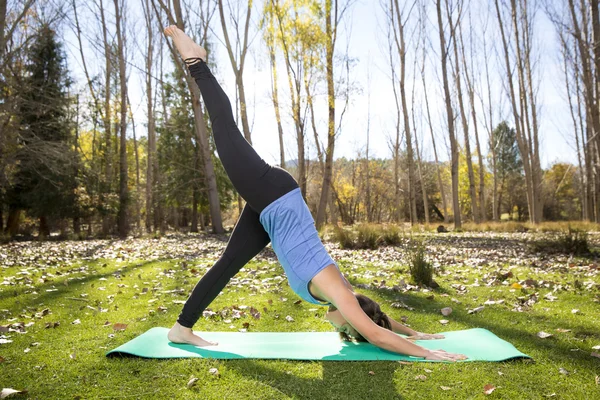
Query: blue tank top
point(296, 241)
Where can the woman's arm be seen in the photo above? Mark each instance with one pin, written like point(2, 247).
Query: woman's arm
point(332, 287)
point(412, 334)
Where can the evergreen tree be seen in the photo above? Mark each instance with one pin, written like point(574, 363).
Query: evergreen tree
point(509, 169)
point(44, 181)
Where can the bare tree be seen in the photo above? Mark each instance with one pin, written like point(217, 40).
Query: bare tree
point(523, 100)
point(398, 22)
point(270, 37)
point(450, 116)
point(175, 16)
point(334, 12)
point(238, 60)
point(152, 161)
point(441, 185)
point(469, 74)
point(108, 56)
point(123, 217)
point(294, 43)
point(461, 105)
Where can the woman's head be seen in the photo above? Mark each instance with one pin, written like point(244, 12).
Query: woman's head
point(370, 307)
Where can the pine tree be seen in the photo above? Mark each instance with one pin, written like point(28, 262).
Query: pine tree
point(45, 179)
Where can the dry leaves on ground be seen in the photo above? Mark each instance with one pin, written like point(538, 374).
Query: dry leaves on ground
point(9, 392)
point(119, 327)
point(488, 389)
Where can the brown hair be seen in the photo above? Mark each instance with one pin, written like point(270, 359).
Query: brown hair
point(373, 311)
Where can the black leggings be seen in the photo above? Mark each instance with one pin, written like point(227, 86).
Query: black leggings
point(256, 181)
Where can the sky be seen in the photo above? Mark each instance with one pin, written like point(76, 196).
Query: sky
point(364, 35)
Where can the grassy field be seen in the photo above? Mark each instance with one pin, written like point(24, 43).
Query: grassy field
point(59, 302)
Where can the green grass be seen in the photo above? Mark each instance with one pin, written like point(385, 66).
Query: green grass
point(66, 278)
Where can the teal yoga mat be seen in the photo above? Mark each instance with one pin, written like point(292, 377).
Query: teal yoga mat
point(477, 344)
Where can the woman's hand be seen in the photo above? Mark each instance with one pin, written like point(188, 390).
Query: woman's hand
point(443, 355)
point(425, 336)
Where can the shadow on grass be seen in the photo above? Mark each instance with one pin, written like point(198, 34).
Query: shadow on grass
point(340, 380)
point(75, 284)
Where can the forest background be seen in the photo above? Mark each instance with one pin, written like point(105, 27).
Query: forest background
point(387, 111)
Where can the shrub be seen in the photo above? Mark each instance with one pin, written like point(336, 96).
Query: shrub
point(344, 237)
point(368, 237)
point(571, 241)
point(391, 235)
point(421, 270)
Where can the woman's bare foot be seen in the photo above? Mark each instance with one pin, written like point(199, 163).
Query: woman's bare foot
point(185, 45)
point(181, 334)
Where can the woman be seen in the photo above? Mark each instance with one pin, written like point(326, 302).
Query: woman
point(275, 211)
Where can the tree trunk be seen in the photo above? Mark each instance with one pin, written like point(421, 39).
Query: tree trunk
point(107, 187)
point(397, 210)
point(401, 46)
point(2, 26)
point(13, 222)
point(151, 156)
point(519, 121)
point(199, 124)
point(275, 92)
point(450, 118)
point(471, 94)
point(195, 201)
point(123, 218)
point(430, 123)
point(238, 70)
point(44, 232)
point(331, 21)
point(463, 115)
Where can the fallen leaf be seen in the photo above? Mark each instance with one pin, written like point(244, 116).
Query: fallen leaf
point(597, 355)
point(52, 325)
point(563, 330)
point(488, 389)
point(192, 382)
point(543, 335)
point(72, 356)
point(446, 311)
point(76, 322)
point(297, 302)
point(445, 388)
point(5, 341)
point(289, 318)
point(119, 327)
point(371, 373)
point(476, 310)
point(597, 380)
point(9, 392)
point(213, 371)
point(420, 377)
point(428, 370)
point(563, 371)
point(444, 321)
point(574, 311)
point(515, 286)
point(550, 395)
point(27, 350)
